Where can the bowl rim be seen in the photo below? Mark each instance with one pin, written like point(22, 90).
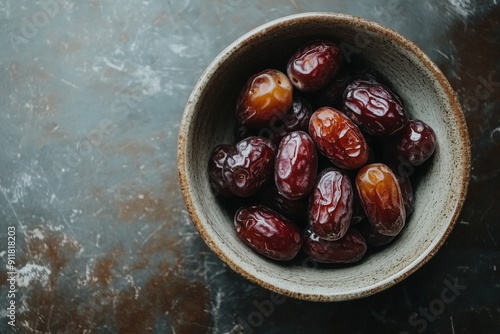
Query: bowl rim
point(453, 105)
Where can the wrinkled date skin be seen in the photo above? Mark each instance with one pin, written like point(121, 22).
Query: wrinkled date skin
point(350, 248)
point(331, 204)
point(296, 118)
point(374, 108)
point(296, 165)
point(415, 144)
point(381, 198)
point(338, 138)
point(332, 94)
point(407, 193)
point(249, 165)
point(272, 198)
point(313, 65)
point(358, 213)
point(266, 97)
point(268, 233)
point(215, 170)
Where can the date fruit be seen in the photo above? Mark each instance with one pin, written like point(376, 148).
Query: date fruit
point(350, 248)
point(407, 193)
point(267, 96)
point(332, 94)
point(321, 159)
point(381, 198)
point(358, 213)
point(273, 199)
point(331, 203)
point(296, 118)
point(415, 144)
point(215, 170)
point(249, 165)
point(338, 138)
point(314, 65)
point(268, 233)
point(296, 165)
point(374, 108)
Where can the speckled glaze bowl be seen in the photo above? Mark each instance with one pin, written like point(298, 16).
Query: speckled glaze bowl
point(209, 119)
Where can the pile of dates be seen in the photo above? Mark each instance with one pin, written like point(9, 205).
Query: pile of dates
point(323, 158)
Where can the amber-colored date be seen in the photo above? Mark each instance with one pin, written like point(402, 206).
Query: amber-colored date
point(350, 248)
point(381, 198)
point(330, 207)
point(249, 165)
point(338, 138)
point(267, 96)
point(267, 232)
point(296, 165)
point(374, 108)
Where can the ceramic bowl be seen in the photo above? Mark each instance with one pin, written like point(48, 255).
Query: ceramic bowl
point(209, 118)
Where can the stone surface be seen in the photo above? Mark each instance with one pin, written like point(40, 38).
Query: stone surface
point(91, 95)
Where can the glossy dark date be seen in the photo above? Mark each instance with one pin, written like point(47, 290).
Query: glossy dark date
point(330, 207)
point(215, 170)
point(407, 193)
point(338, 138)
point(350, 248)
point(296, 165)
point(331, 95)
point(268, 233)
point(374, 108)
point(313, 65)
point(249, 165)
point(415, 144)
point(295, 210)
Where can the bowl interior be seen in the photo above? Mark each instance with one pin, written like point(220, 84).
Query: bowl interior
point(210, 116)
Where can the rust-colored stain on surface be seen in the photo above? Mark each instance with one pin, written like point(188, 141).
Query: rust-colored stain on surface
point(103, 270)
point(51, 248)
point(48, 304)
point(164, 296)
point(183, 304)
